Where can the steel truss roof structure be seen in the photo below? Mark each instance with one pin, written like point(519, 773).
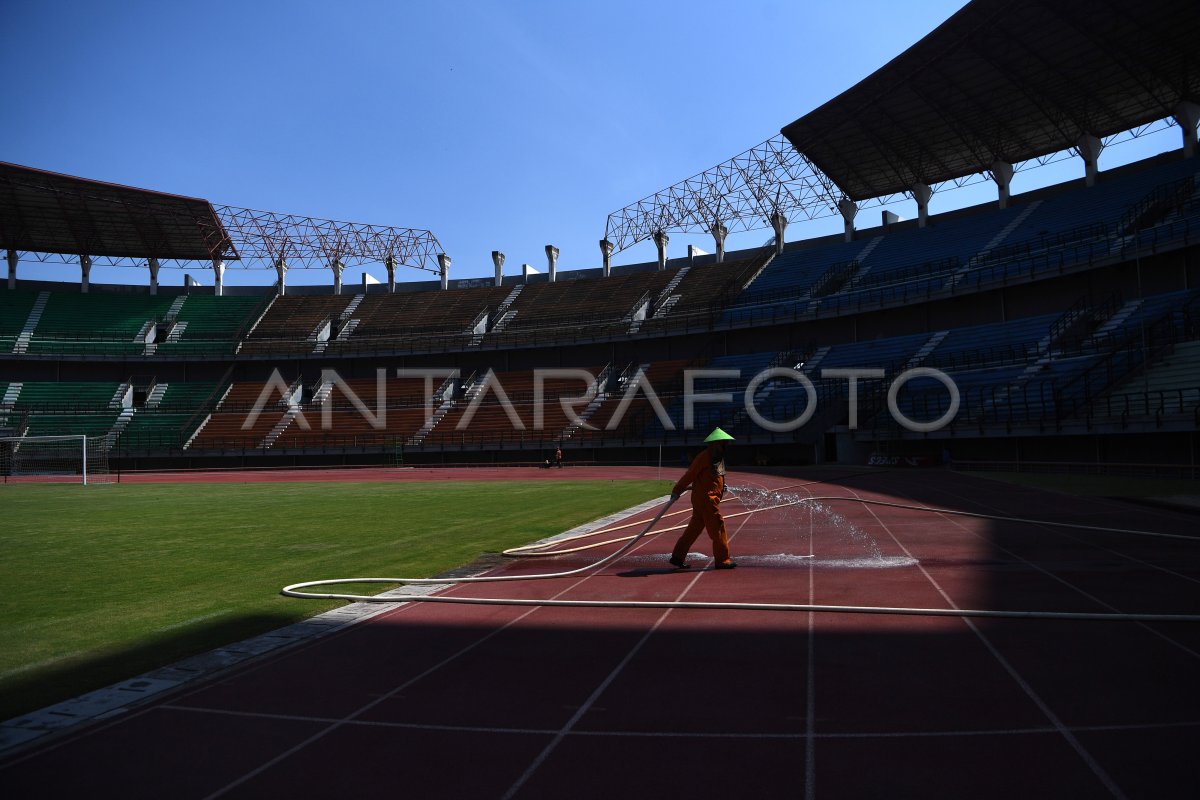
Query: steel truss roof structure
point(741, 193)
point(1017, 81)
point(45, 216)
point(263, 237)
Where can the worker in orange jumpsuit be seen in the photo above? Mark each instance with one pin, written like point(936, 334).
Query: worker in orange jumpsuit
point(706, 476)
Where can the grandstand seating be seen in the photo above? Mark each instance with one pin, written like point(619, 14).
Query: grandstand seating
point(66, 408)
point(1106, 203)
point(206, 324)
point(589, 307)
point(966, 250)
point(71, 424)
point(489, 421)
point(223, 429)
point(706, 415)
point(168, 423)
point(62, 396)
point(95, 323)
point(702, 292)
point(14, 311)
point(665, 378)
point(404, 320)
point(290, 324)
point(401, 415)
point(1171, 386)
point(1113, 358)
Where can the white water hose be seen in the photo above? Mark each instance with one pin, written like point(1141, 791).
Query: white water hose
point(530, 551)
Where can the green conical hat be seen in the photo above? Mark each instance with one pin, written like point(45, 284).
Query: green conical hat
point(718, 435)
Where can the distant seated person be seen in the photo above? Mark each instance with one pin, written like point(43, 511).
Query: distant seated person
point(546, 464)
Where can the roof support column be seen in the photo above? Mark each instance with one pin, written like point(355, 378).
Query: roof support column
point(660, 241)
point(1002, 174)
point(444, 263)
point(152, 263)
point(218, 277)
point(85, 267)
point(849, 209)
point(281, 269)
point(1187, 114)
point(921, 193)
point(719, 232)
point(498, 260)
point(1089, 148)
point(390, 263)
point(12, 269)
point(552, 261)
point(606, 250)
point(337, 266)
point(779, 223)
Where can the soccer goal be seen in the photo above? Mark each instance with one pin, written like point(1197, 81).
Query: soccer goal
point(54, 459)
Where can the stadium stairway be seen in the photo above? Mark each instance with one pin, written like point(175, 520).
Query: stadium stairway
point(21, 346)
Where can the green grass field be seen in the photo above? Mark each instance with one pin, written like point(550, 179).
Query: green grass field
point(102, 583)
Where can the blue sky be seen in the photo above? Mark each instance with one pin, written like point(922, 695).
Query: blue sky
point(497, 125)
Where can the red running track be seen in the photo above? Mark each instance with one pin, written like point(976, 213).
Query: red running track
point(468, 701)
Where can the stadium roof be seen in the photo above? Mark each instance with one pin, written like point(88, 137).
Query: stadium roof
point(46, 212)
point(1005, 80)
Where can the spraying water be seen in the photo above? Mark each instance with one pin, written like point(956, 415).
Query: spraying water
point(811, 533)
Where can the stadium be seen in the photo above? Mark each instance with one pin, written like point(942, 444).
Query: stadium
point(961, 487)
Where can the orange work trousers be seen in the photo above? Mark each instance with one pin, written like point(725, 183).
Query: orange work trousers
point(706, 515)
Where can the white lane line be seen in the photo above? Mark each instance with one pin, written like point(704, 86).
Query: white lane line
point(1087, 757)
point(477, 729)
point(1060, 532)
point(360, 711)
point(1169, 640)
point(810, 714)
point(583, 709)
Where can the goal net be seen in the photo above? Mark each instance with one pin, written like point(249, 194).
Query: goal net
point(54, 459)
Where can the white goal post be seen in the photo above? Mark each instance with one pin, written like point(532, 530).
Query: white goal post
point(54, 459)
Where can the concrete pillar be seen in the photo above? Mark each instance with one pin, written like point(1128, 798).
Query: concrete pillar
point(779, 224)
point(12, 269)
point(337, 266)
point(152, 263)
point(85, 267)
point(444, 263)
point(390, 263)
point(921, 193)
point(848, 208)
point(1187, 115)
point(888, 219)
point(606, 249)
point(218, 277)
point(660, 241)
point(552, 261)
point(719, 232)
point(1089, 148)
point(498, 260)
point(281, 269)
point(1002, 174)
